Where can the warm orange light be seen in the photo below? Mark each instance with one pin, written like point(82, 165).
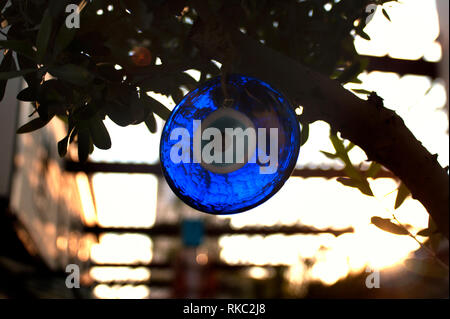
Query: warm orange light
point(121, 292)
point(202, 259)
point(89, 215)
point(122, 249)
point(125, 200)
point(122, 274)
point(335, 257)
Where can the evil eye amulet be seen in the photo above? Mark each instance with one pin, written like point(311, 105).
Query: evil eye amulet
point(227, 149)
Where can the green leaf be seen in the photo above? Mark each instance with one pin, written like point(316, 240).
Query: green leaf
point(361, 91)
point(33, 125)
point(57, 7)
point(388, 226)
point(73, 74)
point(139, 109)
point(28, 95)
point(363, 35)
point(373, 170)
point(349, 147)
point(53, 91)
point(157, 107)
point(63, 146)
point(119, 113)
point(386, 15)
point(84, 144)
point(358, 180)
point(26, 63)
point(43, 37)
point(21, 47)
point(348, 181)
point(177, 95)
point(425, 232)
point(362, 185)
point(304, 133)
point(50, 109)
point(15, 74)
point(355, 80)
point(185, 79)
point(338, 145)
point(64, 38)
point(329, 155)
point(426, 267)
point(151, 123)
point(107, 70)
point(402, 194)
point(99, 134)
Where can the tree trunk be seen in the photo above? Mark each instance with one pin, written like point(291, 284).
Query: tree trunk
point(380, 132)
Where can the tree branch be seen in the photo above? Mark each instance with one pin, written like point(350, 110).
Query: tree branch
point(380, 132)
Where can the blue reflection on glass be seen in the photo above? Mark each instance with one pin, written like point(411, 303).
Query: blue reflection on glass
point(219, 189)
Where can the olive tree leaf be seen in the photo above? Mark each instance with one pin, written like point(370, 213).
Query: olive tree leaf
point(33, 125)
point(118, 113)
point(339, 146)
point(363, 188)
point(402, 194)
point(63, 146)
point(373, 170)
point(157, 107)
point(19, 46)
point(57, 7)
point(139, 109)
point(28, 94)
point(347, 181)
point(150, 122)
point(73, 74)
point(84, 144)
point(362, 34)
point(361, 91)
point(425, 232)
point(387, 225)
point(177, 95)
point(359, 184)
point(64, 38)
point(356, 179)
point(386, 14)
point(31, 79)
point(107, 71)
point(304, 134)
point(349, 147)
point(99, 133)
point(43, 37)
point(329, 155)
point(15, 74)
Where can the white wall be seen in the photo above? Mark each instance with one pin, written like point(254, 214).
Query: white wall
point(8, 111)
point(443, 9)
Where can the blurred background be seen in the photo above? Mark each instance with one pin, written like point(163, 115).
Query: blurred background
point(117, 219)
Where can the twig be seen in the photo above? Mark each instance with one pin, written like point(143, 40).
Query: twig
point(431, 252)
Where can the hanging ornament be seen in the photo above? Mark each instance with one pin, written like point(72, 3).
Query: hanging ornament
point(228, 148)
point(141, 56)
